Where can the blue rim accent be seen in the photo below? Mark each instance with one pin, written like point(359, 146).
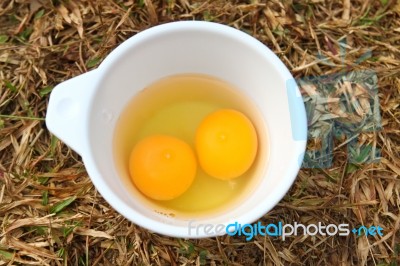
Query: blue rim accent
point(297, 111)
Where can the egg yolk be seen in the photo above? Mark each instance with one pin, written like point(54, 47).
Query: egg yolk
point(162, 167)
point(226, 144)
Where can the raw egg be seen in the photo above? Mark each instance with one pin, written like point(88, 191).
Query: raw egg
point(226, 144)
point(162, 167)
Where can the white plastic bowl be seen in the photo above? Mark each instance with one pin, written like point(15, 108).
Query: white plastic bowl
point(83, 111)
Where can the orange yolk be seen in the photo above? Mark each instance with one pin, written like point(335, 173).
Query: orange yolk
point(226, 144)
point(162, 167)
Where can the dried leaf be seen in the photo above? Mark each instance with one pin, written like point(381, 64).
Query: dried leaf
point(362, 249)
point(64, 13)
point(76, 17)
point(92, 233)
point(22, 246)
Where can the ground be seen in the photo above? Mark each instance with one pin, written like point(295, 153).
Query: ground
point(50, 212)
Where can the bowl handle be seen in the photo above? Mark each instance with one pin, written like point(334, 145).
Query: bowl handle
point(68, 110)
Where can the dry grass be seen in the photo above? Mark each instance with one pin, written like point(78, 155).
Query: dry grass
point(51, 214)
